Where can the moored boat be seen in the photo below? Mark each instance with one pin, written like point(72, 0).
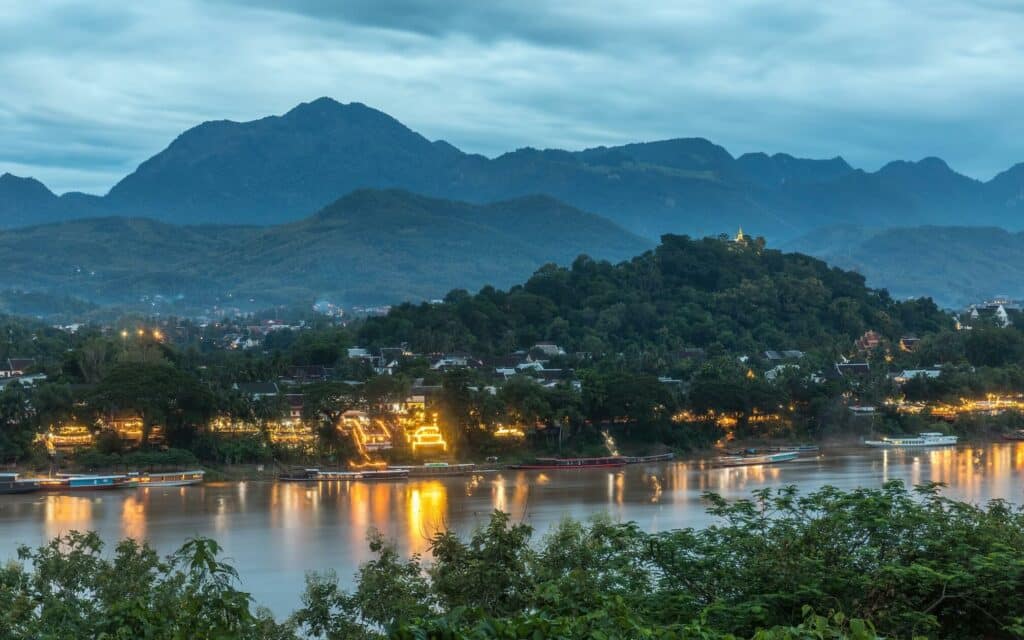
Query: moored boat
point(438, 469)
point(316, 475)
point(171, 479)
point(78, 482)
point(11, 483)
point(926, 439)
point(746, 461)
point(1015, 435)
point(572, 463)
point(661, 457)
point(366, 474)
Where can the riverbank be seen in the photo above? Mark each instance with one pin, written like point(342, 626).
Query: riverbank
point(269, 473)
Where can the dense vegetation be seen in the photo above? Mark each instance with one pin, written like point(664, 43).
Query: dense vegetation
point(722, 296)
point(856, 565)
point(654, 349)
point(370, 247)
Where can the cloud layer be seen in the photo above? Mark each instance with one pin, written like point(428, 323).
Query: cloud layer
point(89, 90)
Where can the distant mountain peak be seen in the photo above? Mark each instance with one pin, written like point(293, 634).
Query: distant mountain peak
point(282, 167)
point(18, 186)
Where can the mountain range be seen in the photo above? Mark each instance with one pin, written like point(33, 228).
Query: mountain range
point(955, 266)
point(279, 169)
point(369, 247)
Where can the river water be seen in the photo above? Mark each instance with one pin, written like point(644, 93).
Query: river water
point(276, 532)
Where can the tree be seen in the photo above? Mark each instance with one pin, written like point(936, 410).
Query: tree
point(160, 393)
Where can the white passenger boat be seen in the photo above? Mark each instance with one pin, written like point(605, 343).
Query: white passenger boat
point(927, 439)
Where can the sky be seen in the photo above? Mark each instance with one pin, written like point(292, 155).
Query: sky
point(88, 90)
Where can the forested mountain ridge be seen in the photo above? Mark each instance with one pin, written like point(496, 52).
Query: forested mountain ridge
point(370, 247)
point(280, 168)
point(725, 296)
point(956, 266)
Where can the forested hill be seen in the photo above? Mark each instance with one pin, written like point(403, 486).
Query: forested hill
point(370, 247)
point(711, 293)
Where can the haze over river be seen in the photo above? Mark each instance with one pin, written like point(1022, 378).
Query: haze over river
point(275, 532)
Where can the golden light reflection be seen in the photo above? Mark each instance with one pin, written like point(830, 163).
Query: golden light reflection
point(426, 512)
point(133, 517)
point(66, 513)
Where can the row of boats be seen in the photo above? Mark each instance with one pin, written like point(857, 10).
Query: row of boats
point(13, 483)
point(590, 463)
point(441, 469)
point(64, 482)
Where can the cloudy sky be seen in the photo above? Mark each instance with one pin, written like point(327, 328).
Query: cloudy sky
point(90, 89)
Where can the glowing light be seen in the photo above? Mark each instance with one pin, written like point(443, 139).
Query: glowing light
point(429, 437)
point(509, 432)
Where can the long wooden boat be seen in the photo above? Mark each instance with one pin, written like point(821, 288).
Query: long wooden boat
point(12, 483)
point(316, 475)
point(661, 457)
point(1016, 435)
point(76, 482)
point(171, 479)
point(438, 469)
point(746, 461)
point(572, 463)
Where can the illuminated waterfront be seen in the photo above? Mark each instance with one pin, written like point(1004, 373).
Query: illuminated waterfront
point(275, 532)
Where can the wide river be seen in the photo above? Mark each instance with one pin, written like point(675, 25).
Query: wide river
point(276, 532)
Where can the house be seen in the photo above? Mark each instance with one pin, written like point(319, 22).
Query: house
point(788, 354)
point(869, 341)
point(421, 396)
point(15, 367)
point(449, 362)
point(128, 426)
point(359, 353)
point(547, 350)
point(909, 343)
point(295, 405)
point(555, 375)
point(307, 374)
point(853, 369)
point(909, 374)
point(256, 390)
point(25, 381)
point(396, 353)
point(529, 366)
point(993, 311)
point(776, 371)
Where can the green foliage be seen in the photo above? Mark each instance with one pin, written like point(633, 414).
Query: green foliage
point(684, 293)
point(829, 565)
point(369, 247)
point(67, 589)
point(909, 564)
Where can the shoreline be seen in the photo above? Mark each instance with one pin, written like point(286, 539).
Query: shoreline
point(251, 472)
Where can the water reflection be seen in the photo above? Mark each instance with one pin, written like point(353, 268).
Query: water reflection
point(275, 532)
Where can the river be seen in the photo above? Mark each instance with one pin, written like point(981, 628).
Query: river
point(275, 532)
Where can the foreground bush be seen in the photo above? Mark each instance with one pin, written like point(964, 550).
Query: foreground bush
point(857, 565)
point(907, 563)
